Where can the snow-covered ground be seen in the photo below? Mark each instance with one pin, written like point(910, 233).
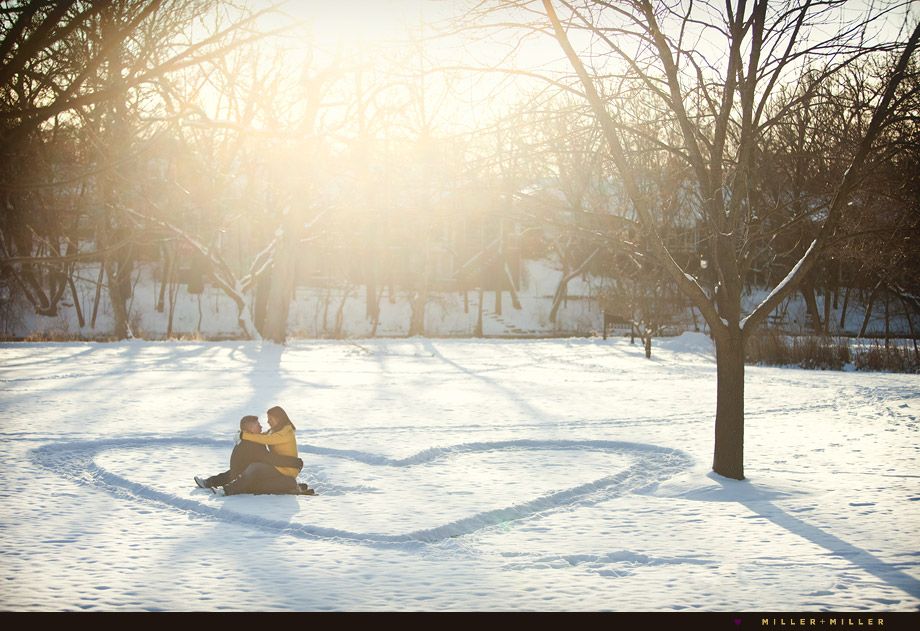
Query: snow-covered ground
point(452, 474)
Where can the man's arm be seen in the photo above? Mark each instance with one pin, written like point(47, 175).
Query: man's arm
point(277, 460)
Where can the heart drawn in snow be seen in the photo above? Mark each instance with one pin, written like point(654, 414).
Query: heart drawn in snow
point(427, 497)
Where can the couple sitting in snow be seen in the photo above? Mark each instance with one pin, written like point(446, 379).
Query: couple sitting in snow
point(261, 463)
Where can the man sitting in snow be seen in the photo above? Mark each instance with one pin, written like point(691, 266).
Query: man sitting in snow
point(245, 453)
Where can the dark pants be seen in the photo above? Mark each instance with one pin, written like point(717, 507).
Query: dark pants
point(261, 478)
point(218, 480)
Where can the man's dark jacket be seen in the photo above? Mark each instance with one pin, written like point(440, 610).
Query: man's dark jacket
point(244, 454)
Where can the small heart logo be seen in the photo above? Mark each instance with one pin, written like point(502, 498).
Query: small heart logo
point(111, 465)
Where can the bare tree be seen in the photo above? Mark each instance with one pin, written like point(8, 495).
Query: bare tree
point(78, 112)
point(713, 113)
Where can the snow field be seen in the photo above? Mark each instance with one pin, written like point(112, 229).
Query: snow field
point(453, 474)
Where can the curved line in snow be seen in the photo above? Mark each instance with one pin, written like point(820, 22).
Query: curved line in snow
point(76, 461)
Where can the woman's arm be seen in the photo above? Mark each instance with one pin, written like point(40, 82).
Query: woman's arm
point(268, 439)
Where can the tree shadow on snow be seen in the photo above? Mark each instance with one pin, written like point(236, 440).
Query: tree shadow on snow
point(260, 364)
point(509, 393)
point(758, 501)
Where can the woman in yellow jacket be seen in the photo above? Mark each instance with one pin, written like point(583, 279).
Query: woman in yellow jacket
point(264, 478)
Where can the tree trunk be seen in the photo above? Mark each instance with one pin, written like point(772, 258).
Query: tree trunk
point(42, 303)
point(200, 317)
point(843, 311)
point(168, 260)
point(118, 299)
point(728, 459)
point(57, 284)
point(282, 285)
point(98, 296)
point(376, 320)
point(172, 289)
point(118, 267)
point(562, 290)
point(417, 302)
point(808, 292)
point(478, 331)
point(76, 300)
point(161, 294)
point(868, 316)
point(340, 314)
point(648, 344)
point(887, 319)
point(910, 325)
point(512, 291)
point(25, 288)
point(327, 296)
point(497, 276)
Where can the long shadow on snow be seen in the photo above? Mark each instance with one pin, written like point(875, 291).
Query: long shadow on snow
point(262, 366)
point(836, 546)
point(38, 358)
point(127, 361)
point(509, 393)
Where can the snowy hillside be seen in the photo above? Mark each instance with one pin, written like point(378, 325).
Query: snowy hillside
point(313, 314)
